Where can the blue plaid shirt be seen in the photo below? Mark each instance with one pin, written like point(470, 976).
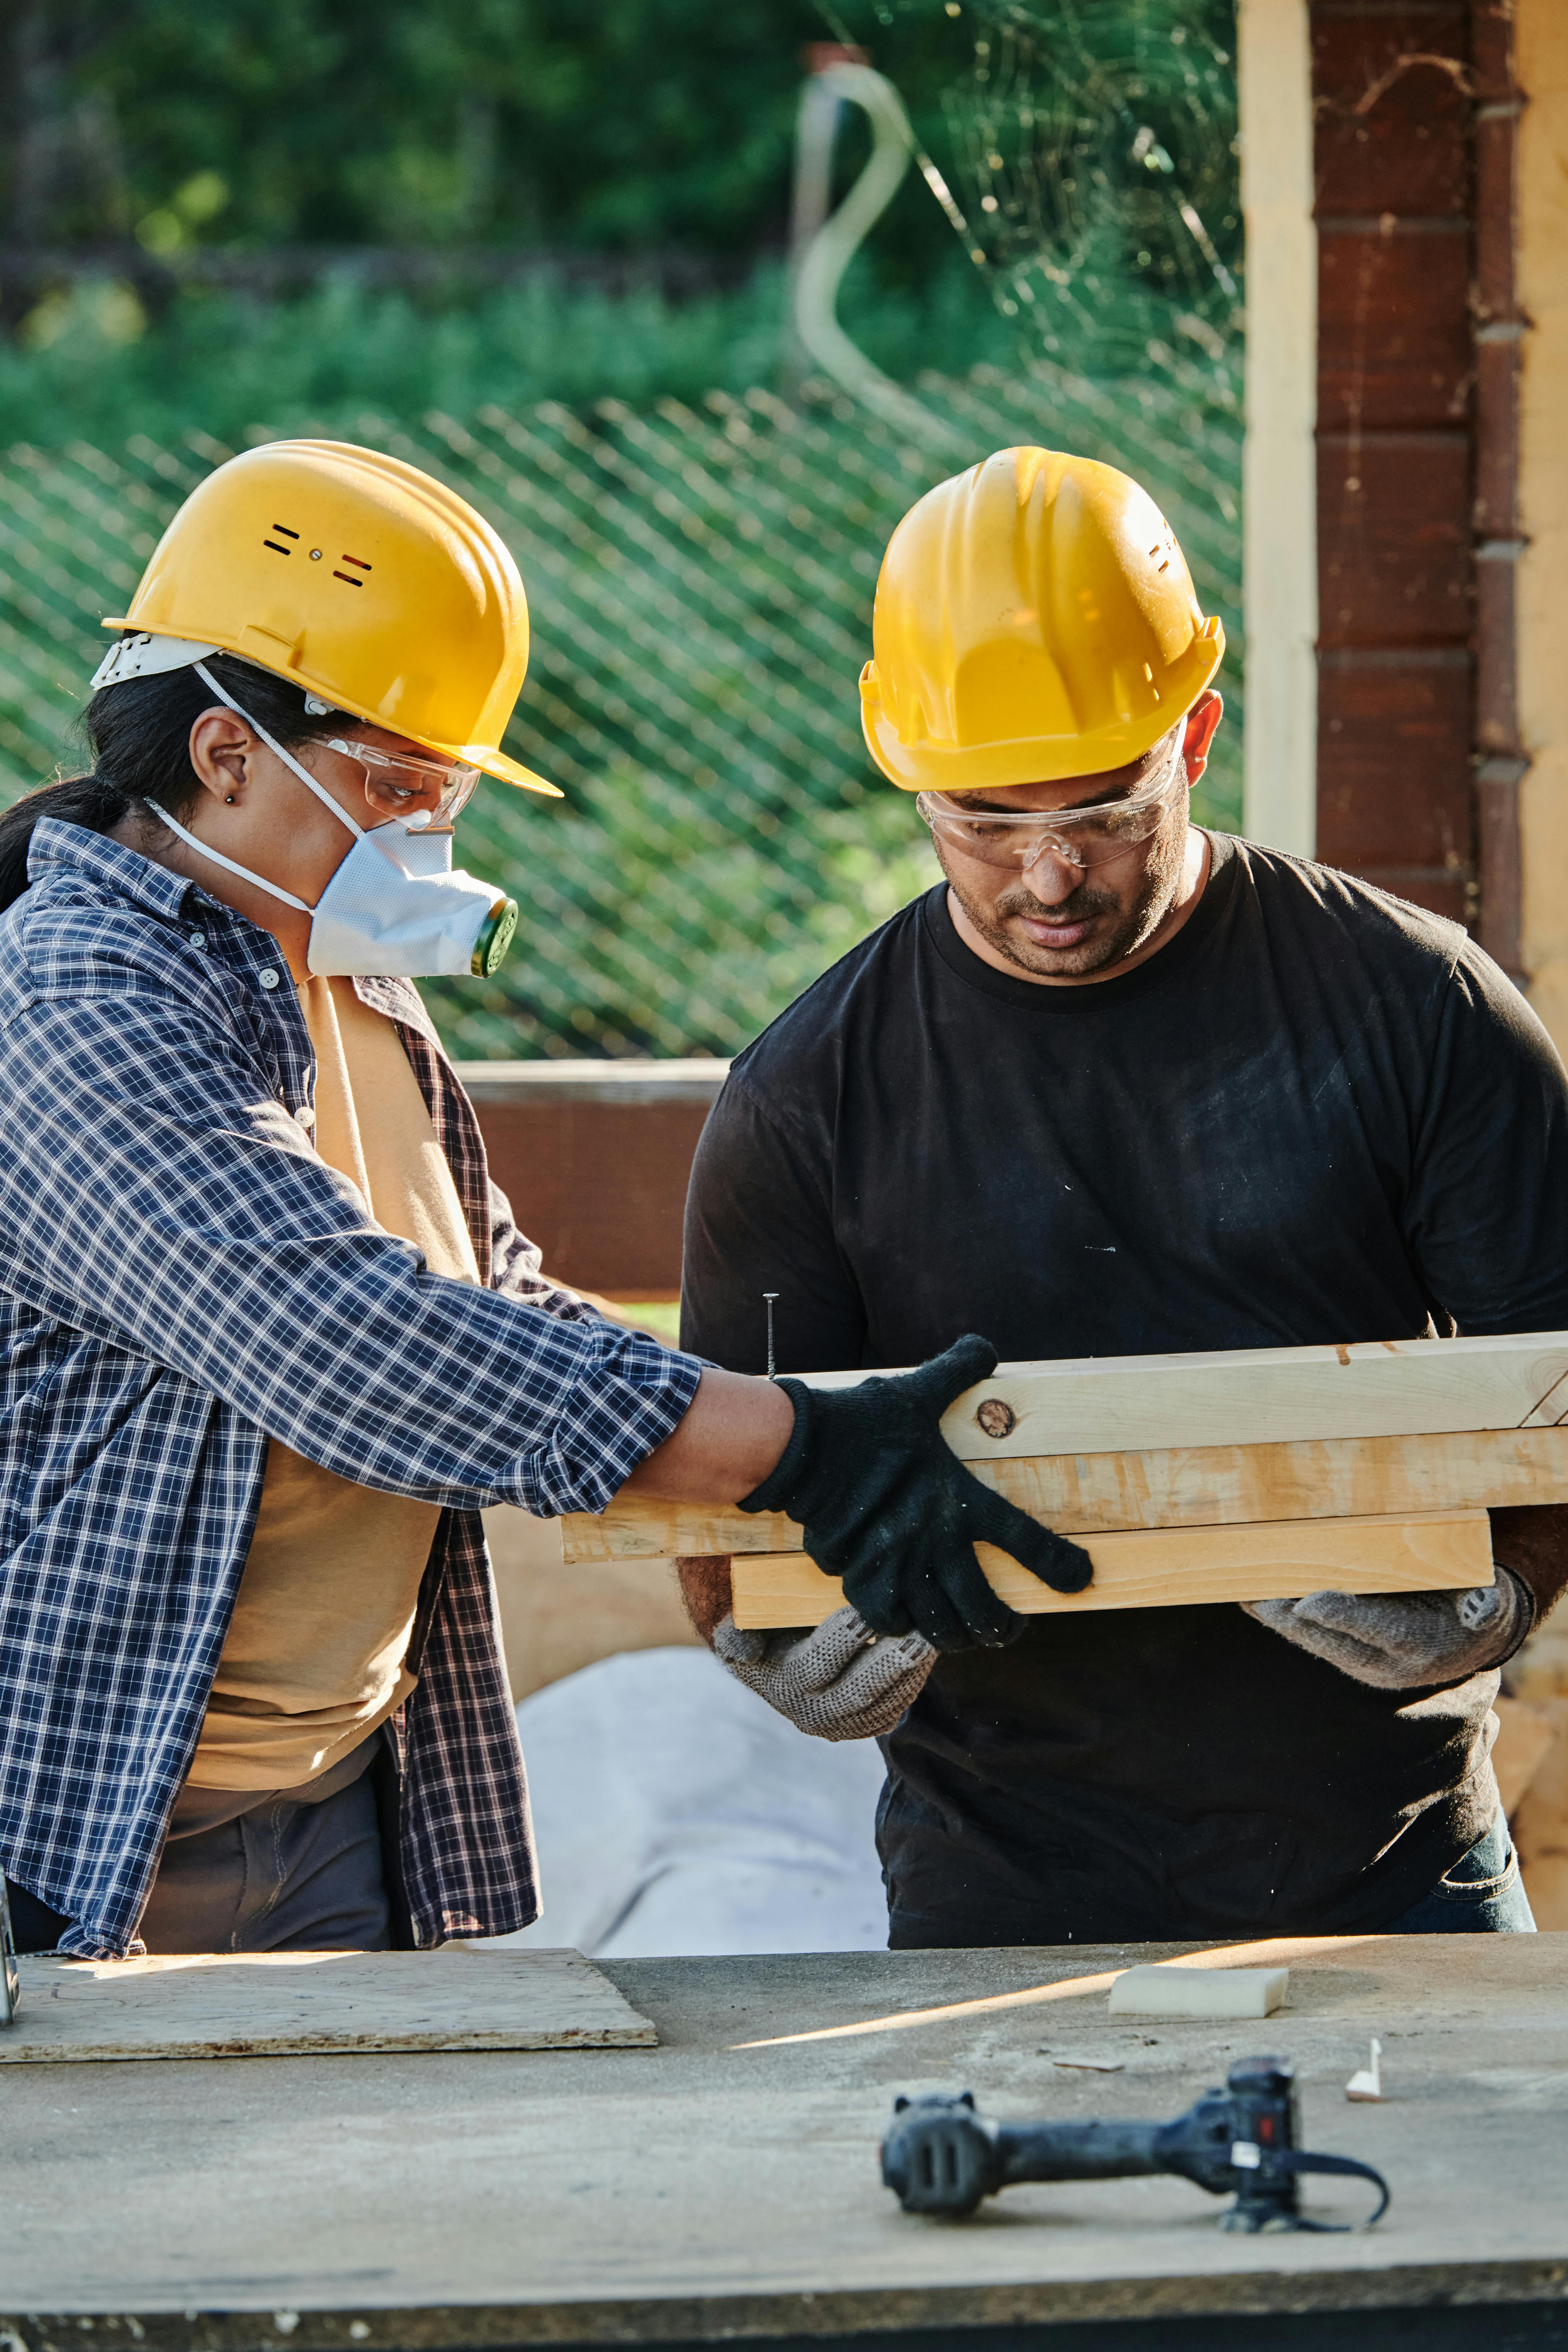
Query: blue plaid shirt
point(182, 1279)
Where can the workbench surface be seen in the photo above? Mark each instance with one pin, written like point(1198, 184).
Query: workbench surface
point(727, 2181)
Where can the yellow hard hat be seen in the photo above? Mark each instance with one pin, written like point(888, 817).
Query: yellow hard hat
point(360, 579)
point(1035, 619)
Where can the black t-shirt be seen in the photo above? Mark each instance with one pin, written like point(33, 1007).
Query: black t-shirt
point(1317, 1114)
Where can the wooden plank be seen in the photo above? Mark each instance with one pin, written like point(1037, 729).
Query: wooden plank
point(1180, 1565)
point(1195, 1486)
point(304, 2004)
point(1252, 1396)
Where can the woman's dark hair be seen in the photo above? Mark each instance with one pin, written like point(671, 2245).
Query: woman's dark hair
point(139, 736)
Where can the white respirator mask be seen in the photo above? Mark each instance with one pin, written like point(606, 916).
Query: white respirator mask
point(394, 905)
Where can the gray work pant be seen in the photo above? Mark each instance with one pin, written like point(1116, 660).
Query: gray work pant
point(274, 1870)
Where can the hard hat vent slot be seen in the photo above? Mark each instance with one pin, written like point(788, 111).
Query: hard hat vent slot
point(272, 544)
point(349, 576)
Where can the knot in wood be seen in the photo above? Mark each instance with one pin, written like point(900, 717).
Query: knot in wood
point(997, 1419)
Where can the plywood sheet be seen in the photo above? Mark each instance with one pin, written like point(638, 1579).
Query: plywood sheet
point(717, 2191)
point(1208, 1485)
point(1179, 1565)
point(297, 2004)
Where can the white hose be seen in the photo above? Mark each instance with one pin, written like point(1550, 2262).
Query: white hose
point(823, 264)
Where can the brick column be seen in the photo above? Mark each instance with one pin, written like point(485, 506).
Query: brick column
point(1397, 607)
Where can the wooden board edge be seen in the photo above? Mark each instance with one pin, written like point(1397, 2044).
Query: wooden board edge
point(780, 1589)
point(1085, 1495)
point(321, 2046)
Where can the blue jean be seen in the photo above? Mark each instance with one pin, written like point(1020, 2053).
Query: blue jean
point(1482, 1895)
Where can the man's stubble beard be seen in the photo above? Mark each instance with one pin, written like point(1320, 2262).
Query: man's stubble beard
point(1155, 896)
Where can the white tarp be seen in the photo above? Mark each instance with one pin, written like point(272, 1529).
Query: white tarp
point(676, 1813)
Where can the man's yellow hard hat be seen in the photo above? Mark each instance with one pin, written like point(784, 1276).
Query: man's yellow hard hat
point(1034, 620)
point(360, 579)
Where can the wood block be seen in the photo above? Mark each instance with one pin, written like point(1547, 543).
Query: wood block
point(1176, 1566)
point(1254, 1396)
point(1193, 1486)
point(310, 2004)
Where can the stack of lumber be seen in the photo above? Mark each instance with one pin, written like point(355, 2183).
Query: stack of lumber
point(1256, 1473)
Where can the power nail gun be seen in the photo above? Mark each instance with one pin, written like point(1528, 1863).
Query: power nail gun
point(940, 2157)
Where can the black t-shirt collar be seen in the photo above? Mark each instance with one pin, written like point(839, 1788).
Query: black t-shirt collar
point(1167, 963)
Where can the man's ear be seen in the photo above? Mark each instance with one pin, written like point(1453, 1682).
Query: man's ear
point(1199, 733)
point(220, 744)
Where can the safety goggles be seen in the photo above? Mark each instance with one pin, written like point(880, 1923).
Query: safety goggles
point(396, 784)
point(1079, 836)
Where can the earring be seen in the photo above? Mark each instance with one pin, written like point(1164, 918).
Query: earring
point(228, 798)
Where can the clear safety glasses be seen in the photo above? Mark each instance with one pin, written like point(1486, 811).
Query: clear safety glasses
point(396, 784)
point(1078, 836)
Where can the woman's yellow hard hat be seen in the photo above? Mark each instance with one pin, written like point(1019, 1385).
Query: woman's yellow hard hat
point(361, 579)
point(1034, 620)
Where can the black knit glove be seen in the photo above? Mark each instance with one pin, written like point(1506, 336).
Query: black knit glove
point(888, 1506)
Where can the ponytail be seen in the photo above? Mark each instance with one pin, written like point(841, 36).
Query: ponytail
point(139, 733)
point(91, 802)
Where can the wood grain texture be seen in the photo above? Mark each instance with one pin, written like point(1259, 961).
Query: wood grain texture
point(302, 2004)
point(1258, 1396)
point(1218, 1485)
point(1180, 1565)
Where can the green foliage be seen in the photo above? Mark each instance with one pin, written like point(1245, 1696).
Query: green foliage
point(700, 555)
point(93, 369)
point(605, 124)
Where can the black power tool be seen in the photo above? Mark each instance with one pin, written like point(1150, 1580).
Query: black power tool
point(940, 2157)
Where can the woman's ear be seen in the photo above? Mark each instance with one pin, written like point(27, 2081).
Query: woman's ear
point(220, 747)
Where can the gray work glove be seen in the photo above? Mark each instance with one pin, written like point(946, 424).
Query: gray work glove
point(1399, 1641)
point(839, 1682)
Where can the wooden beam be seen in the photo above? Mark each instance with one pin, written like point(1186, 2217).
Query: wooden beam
point(1258, 1396)
point(1190, 1486)
point(1176, 1566)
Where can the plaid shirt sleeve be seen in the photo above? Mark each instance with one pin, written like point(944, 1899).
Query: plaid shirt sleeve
point(175, 1209)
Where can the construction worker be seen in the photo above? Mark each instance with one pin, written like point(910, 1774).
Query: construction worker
point(1121, 1085)
point(270, 1337)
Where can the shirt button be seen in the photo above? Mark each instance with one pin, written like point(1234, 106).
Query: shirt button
point(198, 939)
point(269, 978)
point(305, 1114)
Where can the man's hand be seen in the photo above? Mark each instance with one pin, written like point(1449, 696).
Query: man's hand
point(838, 1682)
point(1405, 1639)
point(707, 1591)
point(887, 1504)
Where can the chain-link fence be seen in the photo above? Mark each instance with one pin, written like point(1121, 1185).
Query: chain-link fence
point(701, 584)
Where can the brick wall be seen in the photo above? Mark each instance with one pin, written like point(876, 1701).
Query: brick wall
point(1417, 350)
